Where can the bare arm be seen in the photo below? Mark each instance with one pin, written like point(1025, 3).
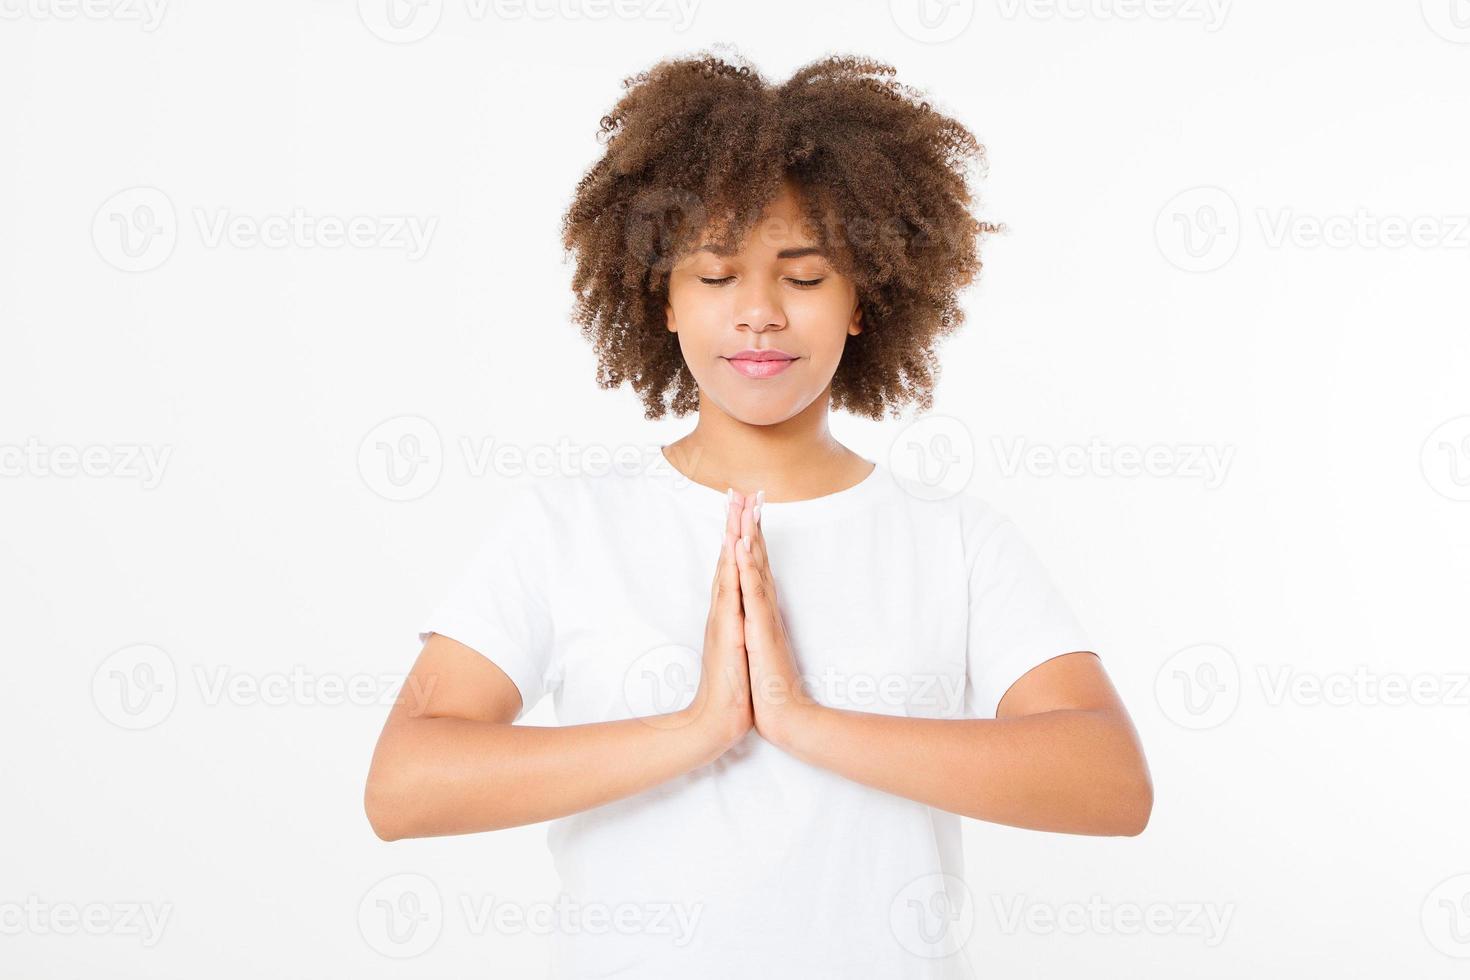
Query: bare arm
point(456, 764)
point(450, 761)
point(1061, 754)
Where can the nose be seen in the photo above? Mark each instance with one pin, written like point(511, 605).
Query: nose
point(757, 308)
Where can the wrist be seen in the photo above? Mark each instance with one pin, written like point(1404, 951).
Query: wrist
point(782, 720)
point(711, 732)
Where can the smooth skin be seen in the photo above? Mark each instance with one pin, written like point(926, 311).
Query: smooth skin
point(1061, 755)
point(451, 761)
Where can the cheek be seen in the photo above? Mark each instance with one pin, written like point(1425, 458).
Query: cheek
point(825, 320)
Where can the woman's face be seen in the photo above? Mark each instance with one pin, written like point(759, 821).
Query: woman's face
point(776, 296)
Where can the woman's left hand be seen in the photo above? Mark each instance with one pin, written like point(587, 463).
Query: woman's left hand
point(775, 683)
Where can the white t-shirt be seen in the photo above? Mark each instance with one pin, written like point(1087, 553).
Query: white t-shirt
point(595, 590)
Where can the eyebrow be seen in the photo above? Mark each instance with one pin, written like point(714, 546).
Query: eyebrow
point(785, 253)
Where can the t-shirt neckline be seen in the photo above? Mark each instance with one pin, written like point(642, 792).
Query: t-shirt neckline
point(780, 512)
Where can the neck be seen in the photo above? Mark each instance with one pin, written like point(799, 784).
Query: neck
point(795, 459)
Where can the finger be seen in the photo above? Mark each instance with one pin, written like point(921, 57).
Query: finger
point(725, 568)
point(754, 596)
point(755, 537)
point(728, 583)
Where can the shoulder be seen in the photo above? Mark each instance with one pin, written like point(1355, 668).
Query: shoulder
point(965, 513)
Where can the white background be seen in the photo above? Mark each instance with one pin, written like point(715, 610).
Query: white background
point(173, 745)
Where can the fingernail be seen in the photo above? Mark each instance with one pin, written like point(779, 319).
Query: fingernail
point(745, 543)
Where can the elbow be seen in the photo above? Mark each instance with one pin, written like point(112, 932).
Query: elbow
point(1135, 807)
point(380, 804)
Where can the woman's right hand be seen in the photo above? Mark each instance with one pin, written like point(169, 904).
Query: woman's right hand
point(722, 710)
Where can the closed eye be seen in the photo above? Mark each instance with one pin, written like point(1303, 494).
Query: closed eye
point(801, 283)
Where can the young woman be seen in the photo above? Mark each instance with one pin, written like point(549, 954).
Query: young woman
point(781, 671)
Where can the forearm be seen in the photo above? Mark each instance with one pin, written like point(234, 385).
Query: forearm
point(1068, 771)
point(441, 776)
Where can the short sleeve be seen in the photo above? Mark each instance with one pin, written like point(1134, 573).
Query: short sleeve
point(1017, 618)
point(498, 604)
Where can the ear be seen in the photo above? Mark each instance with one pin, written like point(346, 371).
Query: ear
point(669, 318)
point(856, 326)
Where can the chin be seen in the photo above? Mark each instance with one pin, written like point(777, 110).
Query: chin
point(763, 410)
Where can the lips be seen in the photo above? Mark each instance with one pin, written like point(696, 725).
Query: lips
point(761, 363)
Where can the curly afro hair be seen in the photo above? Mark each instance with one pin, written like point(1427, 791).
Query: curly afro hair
point(697, 147)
